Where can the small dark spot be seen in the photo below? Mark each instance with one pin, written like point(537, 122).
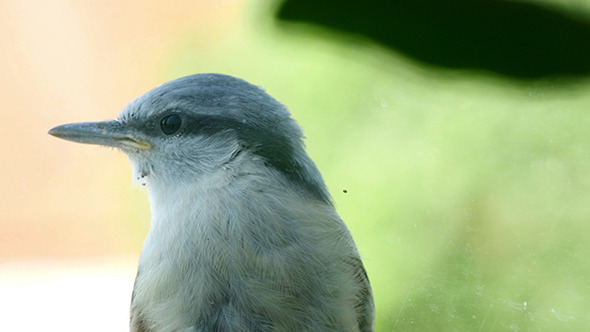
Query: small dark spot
point(345, 191)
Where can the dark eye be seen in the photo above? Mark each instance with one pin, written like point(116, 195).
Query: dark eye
point(170, 124)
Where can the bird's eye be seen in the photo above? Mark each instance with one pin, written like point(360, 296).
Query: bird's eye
point(170, 124)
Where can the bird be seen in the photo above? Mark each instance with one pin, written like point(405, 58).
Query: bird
point(244, 234)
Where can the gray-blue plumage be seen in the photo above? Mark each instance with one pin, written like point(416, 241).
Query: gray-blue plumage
point(244, 235)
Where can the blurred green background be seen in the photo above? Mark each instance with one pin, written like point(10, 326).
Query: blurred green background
point(467, 191)
point(465, 184)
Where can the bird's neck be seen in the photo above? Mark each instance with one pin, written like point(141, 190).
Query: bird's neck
point(213, 204)
point(174, 203)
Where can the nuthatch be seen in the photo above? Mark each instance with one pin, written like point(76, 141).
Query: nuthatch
point(244, 234)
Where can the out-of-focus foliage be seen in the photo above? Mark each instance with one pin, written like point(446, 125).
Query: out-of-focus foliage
point(467, 192)
point(516, 38)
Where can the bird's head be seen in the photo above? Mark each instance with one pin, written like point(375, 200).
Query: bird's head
point(194, 127)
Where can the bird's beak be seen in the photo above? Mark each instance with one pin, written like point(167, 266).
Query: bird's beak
point(107, 133)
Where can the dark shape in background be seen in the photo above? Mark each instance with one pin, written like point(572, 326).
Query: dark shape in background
point(511, 38)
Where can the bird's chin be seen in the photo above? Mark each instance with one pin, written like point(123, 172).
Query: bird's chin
point(141, 170)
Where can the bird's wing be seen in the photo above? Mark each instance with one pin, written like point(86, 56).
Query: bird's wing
point(365, 307)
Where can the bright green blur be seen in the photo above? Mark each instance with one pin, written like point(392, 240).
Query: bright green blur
point(468, 194)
